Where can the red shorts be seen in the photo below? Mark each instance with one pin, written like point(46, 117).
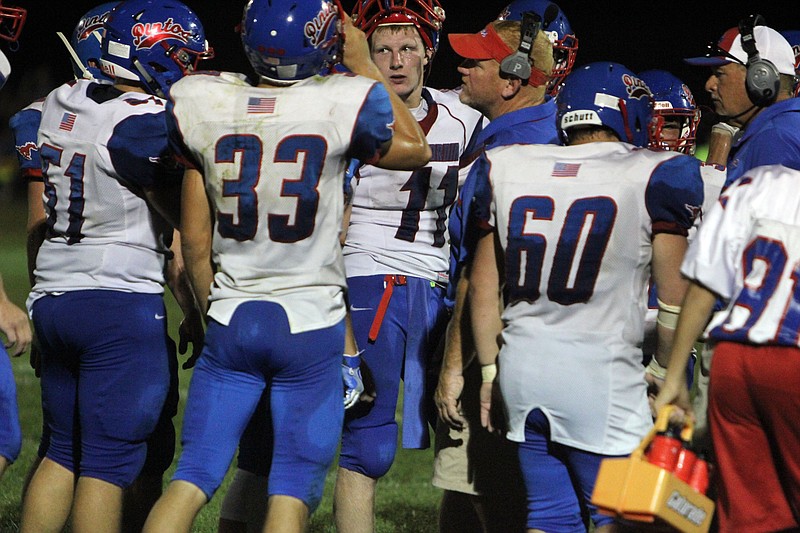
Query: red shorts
point(754, 413)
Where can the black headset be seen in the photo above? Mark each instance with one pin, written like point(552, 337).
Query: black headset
point(519, 63)
point(762, 81)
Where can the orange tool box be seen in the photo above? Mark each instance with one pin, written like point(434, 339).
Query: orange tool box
point(637, 491)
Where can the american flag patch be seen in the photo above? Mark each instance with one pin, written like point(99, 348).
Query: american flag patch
point(67, 122)
point(565, 170)
point(261, 105)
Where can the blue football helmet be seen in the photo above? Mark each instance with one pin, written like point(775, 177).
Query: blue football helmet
point(12, 19)
point(290, 40)
point(86, 42)
point(426, 15)
point(556, 27)
point(154, 42)
point(793, 36)
point(673, 105)
point(609, 95)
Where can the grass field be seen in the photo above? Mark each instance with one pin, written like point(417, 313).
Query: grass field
point(406, 501)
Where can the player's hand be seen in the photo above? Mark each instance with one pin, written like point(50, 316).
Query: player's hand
point(676, 393)
point(654, 386)
point(353, 382)
point(355, 56)
point(446, 398)
point(191, 332)
point(14, 323)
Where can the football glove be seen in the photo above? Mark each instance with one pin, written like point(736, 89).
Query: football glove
point(351, 376)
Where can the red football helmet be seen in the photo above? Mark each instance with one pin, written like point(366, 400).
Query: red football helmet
point(426, 15)
point(12, 19)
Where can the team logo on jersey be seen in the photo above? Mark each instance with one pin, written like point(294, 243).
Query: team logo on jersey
point(27, 149)
point(317, 28)
point(88, 26)
point(636, 88)
point(147, 34)
point(695, 211)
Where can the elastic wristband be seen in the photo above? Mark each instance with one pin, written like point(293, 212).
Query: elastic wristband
point(655, 369)
point(668, 315)
point(488, 372)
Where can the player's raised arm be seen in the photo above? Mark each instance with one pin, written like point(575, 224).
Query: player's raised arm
point(408, 148)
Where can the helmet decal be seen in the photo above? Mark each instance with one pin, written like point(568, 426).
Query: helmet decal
point(636, 88)
point(318, 28)
point(88, 26)
point(148, 34)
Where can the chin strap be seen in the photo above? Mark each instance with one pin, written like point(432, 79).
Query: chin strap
point(85, 74)
point(151, 83)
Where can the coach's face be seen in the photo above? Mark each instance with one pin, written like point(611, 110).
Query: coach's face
point(481, 85)
point(400, 54)
point(726, 85)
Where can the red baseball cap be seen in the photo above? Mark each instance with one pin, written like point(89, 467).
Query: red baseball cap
point(487, 44)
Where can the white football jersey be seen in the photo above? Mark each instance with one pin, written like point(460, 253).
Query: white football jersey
point(398, 223)
point(748, 251)
point(576, 224)
point(98, 147)
point(274, 163)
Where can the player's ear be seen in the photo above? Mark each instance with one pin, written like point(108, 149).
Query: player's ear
point(428, 56)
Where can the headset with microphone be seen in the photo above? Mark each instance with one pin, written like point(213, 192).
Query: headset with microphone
point(762, 81)
point(518, 64)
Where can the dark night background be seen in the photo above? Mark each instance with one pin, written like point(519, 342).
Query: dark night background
point(640, 35)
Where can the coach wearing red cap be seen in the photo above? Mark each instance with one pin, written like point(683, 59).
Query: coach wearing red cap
point(479, 471)
point(751, 86)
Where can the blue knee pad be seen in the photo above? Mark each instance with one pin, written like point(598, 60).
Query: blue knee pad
point(369, 451)
point(10, 432)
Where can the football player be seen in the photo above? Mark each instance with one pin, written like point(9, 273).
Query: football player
point(269, 161)
point(110, 198)
point(556, 26)
point(746, 254)
point(84, 47)
point(559, 247)
point(396, 255)
point(675, 113)
point(13, 321)
point(675, 121)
